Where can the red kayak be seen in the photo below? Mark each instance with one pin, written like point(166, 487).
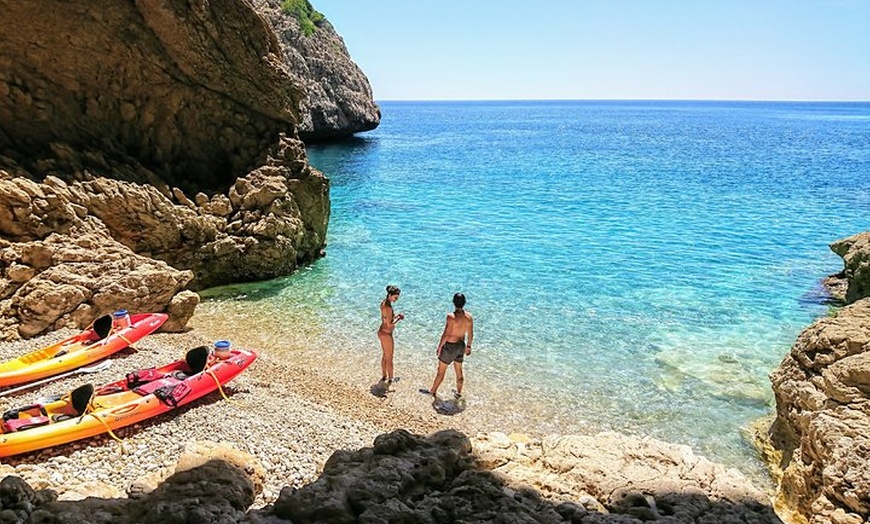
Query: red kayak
point(87, 411)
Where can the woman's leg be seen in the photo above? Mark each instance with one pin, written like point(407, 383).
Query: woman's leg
point(387, 356)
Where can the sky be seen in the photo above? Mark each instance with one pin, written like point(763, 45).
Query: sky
point(608, 49)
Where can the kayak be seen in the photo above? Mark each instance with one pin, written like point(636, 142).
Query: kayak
point(88, 411)
point(97, 342)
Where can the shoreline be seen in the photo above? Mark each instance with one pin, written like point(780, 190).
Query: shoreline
point(301, 416)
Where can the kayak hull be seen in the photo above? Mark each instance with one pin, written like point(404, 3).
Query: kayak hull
point(77, 351)
point(116, 405)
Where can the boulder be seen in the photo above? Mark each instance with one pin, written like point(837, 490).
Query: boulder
point(855, 251)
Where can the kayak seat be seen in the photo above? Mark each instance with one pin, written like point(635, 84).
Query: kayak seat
point(103, 326)
point(196, 359)
point(80, 398)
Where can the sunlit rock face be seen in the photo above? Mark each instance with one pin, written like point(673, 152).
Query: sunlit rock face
point(822, 429)
point(338, 99)
point(855, 251)
point(161, 130)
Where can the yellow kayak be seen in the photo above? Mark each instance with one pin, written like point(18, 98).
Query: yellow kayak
point(87, 411)
point(97, 342)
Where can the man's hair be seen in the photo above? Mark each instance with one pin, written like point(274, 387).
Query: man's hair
point(393, 290)
point(459, 300)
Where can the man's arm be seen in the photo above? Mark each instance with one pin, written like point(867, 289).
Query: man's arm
point(444, 334)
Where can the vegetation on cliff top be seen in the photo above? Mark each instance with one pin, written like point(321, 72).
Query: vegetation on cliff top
point(302, 11)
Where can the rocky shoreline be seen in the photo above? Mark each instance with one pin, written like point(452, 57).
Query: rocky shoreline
point(285, 422)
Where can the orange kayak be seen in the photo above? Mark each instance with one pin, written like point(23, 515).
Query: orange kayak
point(97, 342)
point(87, 411)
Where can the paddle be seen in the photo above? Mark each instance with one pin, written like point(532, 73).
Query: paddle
point(96, 368)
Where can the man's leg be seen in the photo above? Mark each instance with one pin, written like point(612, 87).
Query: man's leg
point(460, 379)
point(439, 377)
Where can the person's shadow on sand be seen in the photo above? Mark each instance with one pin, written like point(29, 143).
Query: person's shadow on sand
point(381, 388)
point(445, 406)
point(448, 406)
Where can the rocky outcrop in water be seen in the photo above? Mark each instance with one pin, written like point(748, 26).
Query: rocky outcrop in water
point(338, 98)
point(855, 251)
point(822, 430)
point(435, 479)
point(163, 130)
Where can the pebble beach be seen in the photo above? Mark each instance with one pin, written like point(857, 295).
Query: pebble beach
point(290, 415)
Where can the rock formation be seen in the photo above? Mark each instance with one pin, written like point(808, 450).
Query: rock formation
point(163, 130)
point(338, 97)
point(855, 251)
point(822, 429)
point(435, 479)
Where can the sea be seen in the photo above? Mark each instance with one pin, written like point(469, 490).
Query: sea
point(635, 266)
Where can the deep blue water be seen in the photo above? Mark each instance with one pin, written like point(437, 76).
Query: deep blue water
point(637, 266)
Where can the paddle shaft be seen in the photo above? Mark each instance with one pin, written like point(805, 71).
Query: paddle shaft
point(92, 369)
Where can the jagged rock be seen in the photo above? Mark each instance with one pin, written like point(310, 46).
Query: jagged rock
point(641, 477)
point(79, 276)
point(180, 309)
point(822, 429)
point(408, 478)
point(186, 99)
point(338, 98)
point(214, 492)
point(855, 251)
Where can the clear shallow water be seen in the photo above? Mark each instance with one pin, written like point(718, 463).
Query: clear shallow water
point(636, 266)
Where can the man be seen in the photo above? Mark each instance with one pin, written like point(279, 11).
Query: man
point(452, 348)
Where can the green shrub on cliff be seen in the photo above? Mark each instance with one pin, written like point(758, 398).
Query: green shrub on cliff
point(302, 11)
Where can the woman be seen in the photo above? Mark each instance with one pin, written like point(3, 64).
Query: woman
point(385, 333)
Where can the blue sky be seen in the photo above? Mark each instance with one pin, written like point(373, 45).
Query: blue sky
point(608, 49)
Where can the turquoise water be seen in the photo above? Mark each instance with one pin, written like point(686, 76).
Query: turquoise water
point(636, 266)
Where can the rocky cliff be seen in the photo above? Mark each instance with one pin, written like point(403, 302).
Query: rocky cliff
point(165, 130)
point(820, 439)
point(338, 98)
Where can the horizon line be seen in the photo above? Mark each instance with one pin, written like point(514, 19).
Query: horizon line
point(801, 100)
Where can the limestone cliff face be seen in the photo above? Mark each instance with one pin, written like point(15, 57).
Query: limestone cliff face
point(159, 129)
point(338, 97)
point(822, 429)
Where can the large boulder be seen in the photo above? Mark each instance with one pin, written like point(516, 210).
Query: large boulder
point(822, 427)
point(855, 251)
